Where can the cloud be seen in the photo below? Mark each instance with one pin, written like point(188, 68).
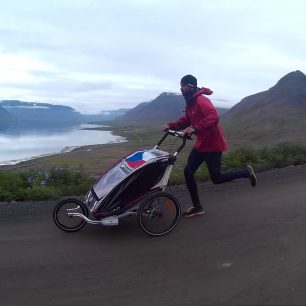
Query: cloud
point(128, 51)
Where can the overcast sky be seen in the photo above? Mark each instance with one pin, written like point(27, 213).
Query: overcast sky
point(98, 55)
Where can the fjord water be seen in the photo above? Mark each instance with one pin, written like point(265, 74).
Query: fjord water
point(19, 142)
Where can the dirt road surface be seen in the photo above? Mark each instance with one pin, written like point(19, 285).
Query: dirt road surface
point(249, 249)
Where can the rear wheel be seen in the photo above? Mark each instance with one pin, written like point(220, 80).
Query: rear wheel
point(159, 214)
point(63, 220)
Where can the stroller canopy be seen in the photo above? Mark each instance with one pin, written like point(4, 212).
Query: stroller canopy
point(125, 167)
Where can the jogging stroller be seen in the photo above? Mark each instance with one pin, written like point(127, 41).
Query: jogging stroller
point(133, 186)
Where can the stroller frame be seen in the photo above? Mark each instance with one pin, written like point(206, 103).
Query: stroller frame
point(134, 186)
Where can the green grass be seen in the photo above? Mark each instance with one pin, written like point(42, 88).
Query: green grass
point(73, 173)
point(280, 156)
point(40, 185)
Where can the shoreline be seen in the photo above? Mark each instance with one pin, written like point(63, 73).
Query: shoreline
point(91, 157)
point(64, 151)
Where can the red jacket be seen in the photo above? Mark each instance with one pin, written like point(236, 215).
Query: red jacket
point(203, 117)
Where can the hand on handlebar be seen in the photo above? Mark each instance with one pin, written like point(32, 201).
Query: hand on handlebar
point(189, 131)
point(165, 127)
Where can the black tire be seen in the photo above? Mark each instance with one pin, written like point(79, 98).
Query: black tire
point(68, 223)
point(159, 214)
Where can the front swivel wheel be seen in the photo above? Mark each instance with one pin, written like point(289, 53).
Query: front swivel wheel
point(66, 222)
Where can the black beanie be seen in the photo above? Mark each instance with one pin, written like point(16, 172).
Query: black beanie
point(189, 80)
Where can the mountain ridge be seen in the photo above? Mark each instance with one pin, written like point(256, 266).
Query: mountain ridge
point(269, 117)
point(16, 110)
point(164, 108)
point(259, 120)
point(42, 112)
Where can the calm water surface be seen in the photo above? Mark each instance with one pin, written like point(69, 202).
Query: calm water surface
point(22, 142)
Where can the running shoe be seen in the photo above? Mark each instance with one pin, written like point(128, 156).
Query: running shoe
point(193, 211)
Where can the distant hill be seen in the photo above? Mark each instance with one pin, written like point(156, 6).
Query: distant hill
point(270, 117)
point(164, 108)
point(5, 116)
point(42, 112)
point(104, 115)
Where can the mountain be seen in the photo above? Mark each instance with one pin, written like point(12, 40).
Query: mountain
point(164, 108)
point(42, 112)
point(104, 115)
point(5, 116)
point(270, 117)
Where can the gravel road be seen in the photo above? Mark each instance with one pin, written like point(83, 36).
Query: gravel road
point(249, 249)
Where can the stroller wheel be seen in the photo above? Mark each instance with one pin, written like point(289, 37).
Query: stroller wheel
point(159, 214)
point(63, 220)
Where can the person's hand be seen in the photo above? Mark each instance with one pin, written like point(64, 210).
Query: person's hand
point(165, 127)
point(188, 131)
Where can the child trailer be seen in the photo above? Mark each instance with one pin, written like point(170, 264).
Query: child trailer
point(133, 186)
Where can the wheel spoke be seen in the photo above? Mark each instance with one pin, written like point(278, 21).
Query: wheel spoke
point(159, 214)
point(63, 220)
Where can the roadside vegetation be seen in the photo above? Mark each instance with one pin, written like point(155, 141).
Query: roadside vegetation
point(43, 184)
point(280, 156)
point(47, 183)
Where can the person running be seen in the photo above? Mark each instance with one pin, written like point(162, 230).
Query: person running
point(201, 118)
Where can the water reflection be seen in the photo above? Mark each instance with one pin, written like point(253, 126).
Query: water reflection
point(24, 127)
point(24, 141)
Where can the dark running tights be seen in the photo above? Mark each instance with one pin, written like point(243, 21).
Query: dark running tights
point(213, 161)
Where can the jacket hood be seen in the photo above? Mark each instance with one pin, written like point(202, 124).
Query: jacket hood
point(190, 98)
point(203, 91)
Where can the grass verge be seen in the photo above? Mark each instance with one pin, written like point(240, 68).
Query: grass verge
point(74, 172)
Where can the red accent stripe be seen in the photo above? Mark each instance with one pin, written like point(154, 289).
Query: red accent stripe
point(135, 164)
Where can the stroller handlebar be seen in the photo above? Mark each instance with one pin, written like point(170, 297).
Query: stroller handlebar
point(177, 134)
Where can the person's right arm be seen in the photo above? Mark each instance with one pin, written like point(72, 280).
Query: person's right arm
point(179, 124)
